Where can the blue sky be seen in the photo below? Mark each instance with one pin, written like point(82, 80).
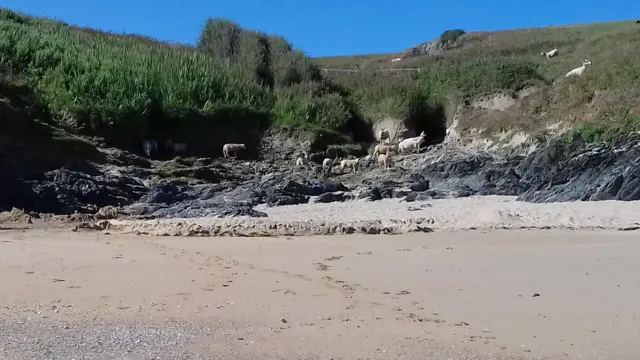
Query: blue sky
point(329, 27)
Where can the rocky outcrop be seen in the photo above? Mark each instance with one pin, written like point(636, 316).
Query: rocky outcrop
point(555, 171)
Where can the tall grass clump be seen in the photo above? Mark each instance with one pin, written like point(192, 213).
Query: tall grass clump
point(98, 82)
point(305, 100)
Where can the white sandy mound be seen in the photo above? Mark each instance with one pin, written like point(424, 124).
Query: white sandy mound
point(392, 216)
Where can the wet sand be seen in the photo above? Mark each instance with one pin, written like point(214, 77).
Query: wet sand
point(464, 295)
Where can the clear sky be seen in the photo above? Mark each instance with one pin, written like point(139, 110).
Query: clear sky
point(328, 27)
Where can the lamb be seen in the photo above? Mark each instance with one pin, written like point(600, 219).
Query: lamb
point(383, 134)
point(579, 70)
point(384, 160)
point(232, 148)
point(349, 163)
point(550, 54)
point(149, 146)
point(327, 164)
point(412, 144)
point(382, 149)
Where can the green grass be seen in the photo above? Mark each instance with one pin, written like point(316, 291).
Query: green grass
point(605, 97)
point(237, 83)
point(124, 87)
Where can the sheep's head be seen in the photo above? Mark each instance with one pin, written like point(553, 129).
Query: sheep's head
point(243, 146)
point(542, 54)
point(423, 135)
point(586, 62)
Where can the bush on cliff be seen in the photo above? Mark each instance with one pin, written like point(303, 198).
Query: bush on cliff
point(124, 87)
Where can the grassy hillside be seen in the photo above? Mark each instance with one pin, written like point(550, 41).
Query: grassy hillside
point(236, 84)
point(602, 103)
point(232, 87)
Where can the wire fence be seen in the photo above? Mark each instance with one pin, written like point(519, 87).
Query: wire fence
point(366, 70)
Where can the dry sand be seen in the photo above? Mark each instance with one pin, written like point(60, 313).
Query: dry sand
point(441, 295)
point(394, 216)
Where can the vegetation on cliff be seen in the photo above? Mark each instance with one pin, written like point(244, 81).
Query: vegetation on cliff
point(124, 87)
point(235, 83)
point(601, 104)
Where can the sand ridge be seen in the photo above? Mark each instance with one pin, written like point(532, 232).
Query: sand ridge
point(394, 216)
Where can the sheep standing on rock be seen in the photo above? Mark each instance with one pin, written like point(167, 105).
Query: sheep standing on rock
point(349, 163)
point(326, 165)
point(550, 54)
point(382, 149)
point(383, 134)
point(227, 149)
point(149, 146)
point(579, 70)
point(384, 160)
point(412, 144)
point(300, 162)
point(180, 148)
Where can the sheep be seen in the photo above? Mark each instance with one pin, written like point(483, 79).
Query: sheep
point(232, 148)
point(327, 164)
point(384, 160)
point(300, 161)
point(412, 144)
point(637, 21)
point(396, 59)
point(579, 70)
point(349, 163)
point(149, 146)
point(550, 54)
point(382, 149)
point(383, 134)
point(179, 147)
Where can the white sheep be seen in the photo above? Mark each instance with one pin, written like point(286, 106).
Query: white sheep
point(396, 59)
point(412, 144)
point(549, 54)
point(327, 164)
point(383, 134)
point(384, 160)
point(149, 146)
point(232, 148)
point(300, 161)
point(382, 149)
point(179, 147)
point(579, 70)
point(349, 163)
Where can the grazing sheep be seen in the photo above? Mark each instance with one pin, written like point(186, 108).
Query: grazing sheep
point(349, 163)
point(637, 21)
point(412, 144)
point(384, 160)
point(579, 70)
point(549, 54)
point(232, 148)
point(396, 59)
point(383, 134)
point(327, 164)
point(179, 148)
point(382, 149)
point(149, 146)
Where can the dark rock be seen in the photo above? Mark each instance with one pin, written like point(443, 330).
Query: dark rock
point(372, 194)
point(338, 196)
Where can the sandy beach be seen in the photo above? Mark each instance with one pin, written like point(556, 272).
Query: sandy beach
point(443, 295)
point(396, 216)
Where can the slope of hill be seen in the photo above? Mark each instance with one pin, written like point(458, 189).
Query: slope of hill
point(494, 83)
point(235, 85)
